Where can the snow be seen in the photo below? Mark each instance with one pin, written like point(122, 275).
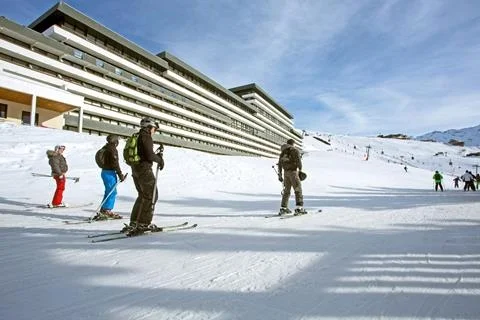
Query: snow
point(470, 136)
point(385, 246)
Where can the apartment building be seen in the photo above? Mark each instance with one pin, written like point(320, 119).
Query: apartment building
point(67, 71)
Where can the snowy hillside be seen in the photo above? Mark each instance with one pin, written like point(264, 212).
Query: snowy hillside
point(385, 246)
point(471, 136)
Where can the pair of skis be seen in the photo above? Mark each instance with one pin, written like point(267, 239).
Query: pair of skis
point(117, 235)
point(92, 218)
point(290, 215)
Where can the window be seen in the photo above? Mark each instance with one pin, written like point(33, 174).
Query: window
point(3, 110)
point(100, 63)
point(118, 71)
point(78, 54)
point(134, 78)
point(26, 117)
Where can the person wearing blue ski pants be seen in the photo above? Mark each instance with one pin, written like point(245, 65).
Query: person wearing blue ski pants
point(109, 178)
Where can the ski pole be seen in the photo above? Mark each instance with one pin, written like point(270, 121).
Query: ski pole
point(155, 189)
point(273, 167)
point(159, 152)
point(108, 195)
point(76, 179)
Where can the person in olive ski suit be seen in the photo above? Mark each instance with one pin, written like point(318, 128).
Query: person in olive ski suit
point(144, 178)
point(288, 162)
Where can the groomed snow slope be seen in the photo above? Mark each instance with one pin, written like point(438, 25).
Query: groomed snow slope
point(385, 246)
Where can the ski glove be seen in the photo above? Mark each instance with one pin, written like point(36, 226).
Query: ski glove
point(161, 163)
point(280, 178)
point(122, 177)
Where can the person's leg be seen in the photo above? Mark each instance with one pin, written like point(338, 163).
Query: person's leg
point(58, 196)
point(137, 206)
point(109, 178)
point(287, 185)
point(147, 185)
point(297, 188)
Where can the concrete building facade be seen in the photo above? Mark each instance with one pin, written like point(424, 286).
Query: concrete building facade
point(67, 71)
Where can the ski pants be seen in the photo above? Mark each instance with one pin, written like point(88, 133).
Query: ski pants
point(291, 179)
point(109, 178)
point(437, 185)
point(58, 196)
point(144, 179)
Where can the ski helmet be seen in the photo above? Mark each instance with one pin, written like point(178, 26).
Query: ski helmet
point(58, 147)
point(302, 175)
point(147, 122)
point(112, 138)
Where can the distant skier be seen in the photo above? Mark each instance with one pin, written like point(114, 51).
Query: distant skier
point(59, 167)
point(437, 177)
point(477, 178)
point(405, 168)
point(455, 181)
point(468, 178)
point(290, 163)
point(107, 159)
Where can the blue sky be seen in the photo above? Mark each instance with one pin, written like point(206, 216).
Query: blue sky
point(362, 67)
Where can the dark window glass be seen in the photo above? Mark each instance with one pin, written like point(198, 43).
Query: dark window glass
point(26, 117)
point(3, 110)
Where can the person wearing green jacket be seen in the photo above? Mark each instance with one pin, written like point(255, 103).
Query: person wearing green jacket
point(437, 177)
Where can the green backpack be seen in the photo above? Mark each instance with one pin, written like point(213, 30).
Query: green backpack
point(130, 152)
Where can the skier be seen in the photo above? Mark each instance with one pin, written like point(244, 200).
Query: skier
point(477, 178)
point(468, 178)
point(290, 161)
point(438, 181)
point(144, 179)
point(455, 181)
point(59, 167)
point(110, 170)
point(405, 168)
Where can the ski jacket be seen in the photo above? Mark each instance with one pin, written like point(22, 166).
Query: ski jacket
point(295, 159)
point(111, 158)
point(57, 162)
point(437, 177)
point(467, 176)
point(145, 148)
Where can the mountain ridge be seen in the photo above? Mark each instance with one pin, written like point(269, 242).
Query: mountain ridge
point(470, 136)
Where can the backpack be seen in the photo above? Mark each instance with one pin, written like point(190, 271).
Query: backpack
point(288, 160)
point(130, 151)
point(100, 157)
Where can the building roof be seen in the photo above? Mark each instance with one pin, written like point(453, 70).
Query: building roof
point(61, 10)
point(253, 87)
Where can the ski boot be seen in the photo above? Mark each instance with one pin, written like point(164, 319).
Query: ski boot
point(109, 214)
point(99, 217)
point(137, 230)
point(299, 211)
point(128, 227)
point(61, 205)
point(283, 211)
